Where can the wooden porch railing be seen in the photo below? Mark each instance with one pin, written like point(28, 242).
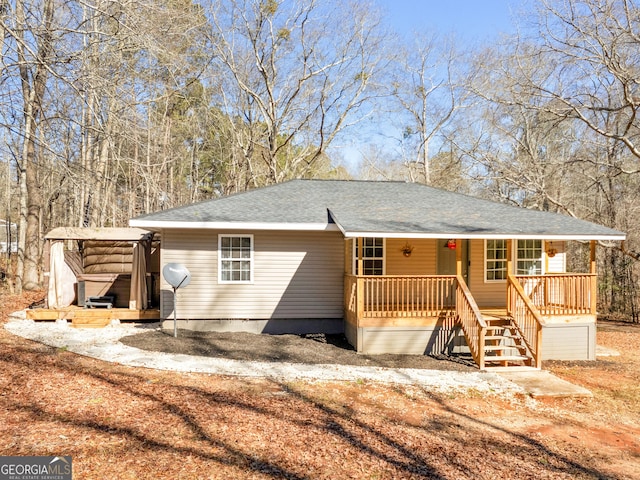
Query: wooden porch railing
point(399, 296)
point(528, 298)
point(416, 296)
point(561, 294)
point(351, 299)
point(471, 321)
point(526, 317)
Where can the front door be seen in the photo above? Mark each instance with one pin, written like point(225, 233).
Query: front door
point(446, 257)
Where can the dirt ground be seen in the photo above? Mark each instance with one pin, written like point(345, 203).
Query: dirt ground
point(314, 349)
point(133, 423)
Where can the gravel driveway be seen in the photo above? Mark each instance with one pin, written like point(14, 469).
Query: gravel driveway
point(114, 344)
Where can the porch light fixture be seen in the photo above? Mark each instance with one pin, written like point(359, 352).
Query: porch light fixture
point(451, 244)
point(407, 249)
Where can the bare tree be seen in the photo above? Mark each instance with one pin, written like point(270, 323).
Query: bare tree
point(4, 31)
point(557, 127)
point(592, 46)
point(33, 44)
point(297, 73)
point(426, 92)
point(136, 60)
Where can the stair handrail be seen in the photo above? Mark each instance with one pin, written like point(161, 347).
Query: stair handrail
point(473, 325)
point(529, 314)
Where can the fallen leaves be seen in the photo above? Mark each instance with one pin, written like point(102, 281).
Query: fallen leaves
point(122, 422)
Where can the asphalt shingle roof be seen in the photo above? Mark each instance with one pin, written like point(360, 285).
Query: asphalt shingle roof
point(382, 208)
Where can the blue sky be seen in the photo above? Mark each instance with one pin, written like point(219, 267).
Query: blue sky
point(468, 19)
point(471, 21)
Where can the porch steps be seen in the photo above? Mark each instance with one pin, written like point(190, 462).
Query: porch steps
point(513, 368)
point(504, 347)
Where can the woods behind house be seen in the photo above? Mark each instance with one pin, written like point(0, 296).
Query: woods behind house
point(111, 109)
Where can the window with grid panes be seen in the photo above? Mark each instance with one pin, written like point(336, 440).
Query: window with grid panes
point(372, 256)
point(495, 260)
point(529, 257)
point(235, 258)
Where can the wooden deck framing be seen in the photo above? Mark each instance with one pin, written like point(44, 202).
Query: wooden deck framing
point(92, 317)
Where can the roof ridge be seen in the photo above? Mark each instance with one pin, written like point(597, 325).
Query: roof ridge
point(346, 180)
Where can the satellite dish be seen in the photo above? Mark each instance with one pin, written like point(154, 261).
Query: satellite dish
point(177, 275)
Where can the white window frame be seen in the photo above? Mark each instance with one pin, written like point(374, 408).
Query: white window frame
point(538, 259)
point(487, 260)
point(384, 254)
point(515, 259)
point(240, 259)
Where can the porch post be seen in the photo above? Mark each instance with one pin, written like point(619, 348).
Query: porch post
point(459, 258)
point(360, 284)
point(509, 272)
point(360, 250)
point(594, 277)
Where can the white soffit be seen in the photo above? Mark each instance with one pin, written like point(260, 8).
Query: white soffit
point(484, 236)
point(234, 225)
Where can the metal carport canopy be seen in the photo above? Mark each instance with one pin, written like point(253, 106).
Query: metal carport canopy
point(123, 234)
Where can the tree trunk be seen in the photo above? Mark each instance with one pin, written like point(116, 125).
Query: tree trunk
point(33, 91)
point(32, 257)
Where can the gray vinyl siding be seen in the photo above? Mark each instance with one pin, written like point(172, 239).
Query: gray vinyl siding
point(296, 275)
point(569, 341)
point(560, 342)
point(396, 341)
point(411, 341)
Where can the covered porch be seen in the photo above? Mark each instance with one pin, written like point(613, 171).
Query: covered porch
point(438, 313)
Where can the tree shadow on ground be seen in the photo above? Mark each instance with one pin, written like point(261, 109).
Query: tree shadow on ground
point(266, 428)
